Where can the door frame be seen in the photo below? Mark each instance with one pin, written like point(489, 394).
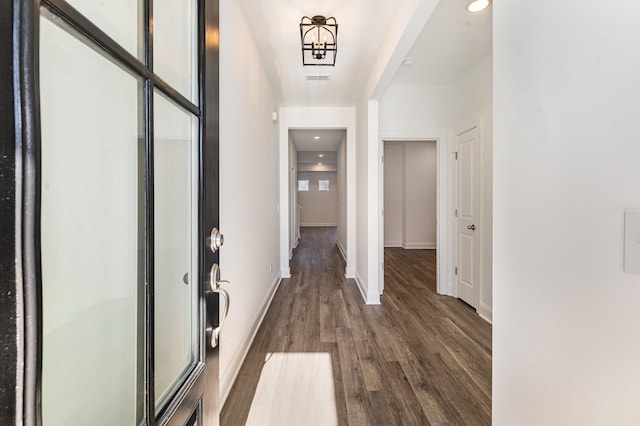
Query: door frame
point(21, 298)
point(316, 118)
point(382, 180)
point(443, 255)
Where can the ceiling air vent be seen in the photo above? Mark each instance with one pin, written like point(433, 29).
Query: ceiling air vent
point(318, 78)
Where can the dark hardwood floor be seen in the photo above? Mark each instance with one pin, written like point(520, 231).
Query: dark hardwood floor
point(416, 359)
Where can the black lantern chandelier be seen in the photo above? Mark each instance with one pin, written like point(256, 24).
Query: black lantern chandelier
point(319, 37)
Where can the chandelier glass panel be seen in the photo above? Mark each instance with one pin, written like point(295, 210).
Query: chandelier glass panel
point(319, 37)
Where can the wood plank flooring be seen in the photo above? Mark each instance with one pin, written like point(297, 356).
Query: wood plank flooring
point(416, 359)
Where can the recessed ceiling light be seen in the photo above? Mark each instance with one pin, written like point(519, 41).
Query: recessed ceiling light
point(321, 155)
point(319, 164)
point(478, 5)
point(408, 62)
point(316, 137)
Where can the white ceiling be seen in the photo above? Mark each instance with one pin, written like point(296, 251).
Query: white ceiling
point(451, 42)
point(277, 33)
point(317, 157)
point(304, 140)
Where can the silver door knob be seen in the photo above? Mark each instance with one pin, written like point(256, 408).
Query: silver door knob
point(213, 286)
point(471, 227)
point(216, 240)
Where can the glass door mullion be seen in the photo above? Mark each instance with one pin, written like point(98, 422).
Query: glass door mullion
point(149, 188)
point(63, 10)
point(149, 252)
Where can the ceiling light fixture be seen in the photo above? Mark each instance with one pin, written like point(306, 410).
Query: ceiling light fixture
point(408, 62)
point(478, 5)
point(316, 137)
point(319, 38)
point(320, 155)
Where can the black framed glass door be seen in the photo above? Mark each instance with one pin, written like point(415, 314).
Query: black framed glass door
point(117, 107)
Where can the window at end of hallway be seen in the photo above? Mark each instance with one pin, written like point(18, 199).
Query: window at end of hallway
point(303, 185)
point(323, 185)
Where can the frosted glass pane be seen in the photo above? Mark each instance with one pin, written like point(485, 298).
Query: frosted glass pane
point(91, 236)
point(174, 44)
point(120, 19)
point(174, 284)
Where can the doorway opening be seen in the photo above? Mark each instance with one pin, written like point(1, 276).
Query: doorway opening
point(317, 183)
point(339, 122)
point(410, 199)
point(410, 194)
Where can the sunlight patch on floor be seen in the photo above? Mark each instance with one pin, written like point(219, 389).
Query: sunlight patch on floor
point(295, 389)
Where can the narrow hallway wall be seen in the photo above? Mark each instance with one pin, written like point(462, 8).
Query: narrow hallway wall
point(249, 190)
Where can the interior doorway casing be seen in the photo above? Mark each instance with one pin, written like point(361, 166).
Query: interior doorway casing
point(316, 118)
point(442, 220)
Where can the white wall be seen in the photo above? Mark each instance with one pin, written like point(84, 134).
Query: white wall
point(393, 194)
point(318, 208)
point(416, 110)
point(341, 178)
point(425, 113)
point(405, 26)
point(420, 195)
point(294, 223)
point(367, 256)
point(410, 172)
point(567, 102)
point(249, 188)
point(473, 104)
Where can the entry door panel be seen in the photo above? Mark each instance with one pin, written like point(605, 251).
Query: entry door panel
point(128, 194)
point(468, 217)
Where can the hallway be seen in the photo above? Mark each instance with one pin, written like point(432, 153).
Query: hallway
point(416, 359)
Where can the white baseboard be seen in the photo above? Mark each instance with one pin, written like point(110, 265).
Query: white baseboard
point(361, 286)
point(419, 246)
point(226, 381)
point(342, 250)
point(318, 225)
point(370, 298)
point(350, 273)
point(393, 243)
point(486, 313)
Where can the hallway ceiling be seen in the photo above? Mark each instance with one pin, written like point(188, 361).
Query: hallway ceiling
point(452, 41)
point(277, 33)
point(304, 139)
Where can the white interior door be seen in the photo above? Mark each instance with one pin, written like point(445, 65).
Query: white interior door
point(468, 217)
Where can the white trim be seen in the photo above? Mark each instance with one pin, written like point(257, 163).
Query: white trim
point(444, 212)
point(375, 251)
point(341, 250)
point(348, 272)
point(419, 246)
point(370, 298)
point(486, 313)
point(227, 381)
point(395, 244)
point(317, 118)
point(318, 225)
point(360, 285)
